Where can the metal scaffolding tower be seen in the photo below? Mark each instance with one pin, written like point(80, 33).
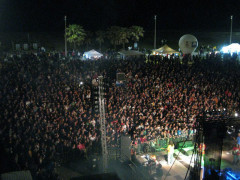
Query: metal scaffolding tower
point(102, 123)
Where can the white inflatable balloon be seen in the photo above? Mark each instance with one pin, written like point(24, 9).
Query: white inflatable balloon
point(188, 43)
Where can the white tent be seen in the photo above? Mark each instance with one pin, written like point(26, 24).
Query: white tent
point(130, 53)
point(92, 54)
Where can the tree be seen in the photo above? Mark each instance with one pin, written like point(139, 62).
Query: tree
point(113, 36)
point(88, 39)
point(75, 34)
point(124, 35)
point(100, 38)
point(118, 35)
point(136, 32)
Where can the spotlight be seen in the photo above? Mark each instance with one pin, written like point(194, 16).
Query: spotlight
point(236, 114)
point(224, 109)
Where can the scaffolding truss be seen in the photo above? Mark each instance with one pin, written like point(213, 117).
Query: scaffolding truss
point(102, 123)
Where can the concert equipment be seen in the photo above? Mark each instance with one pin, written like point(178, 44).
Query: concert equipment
point(146, 148)
point(125, 147)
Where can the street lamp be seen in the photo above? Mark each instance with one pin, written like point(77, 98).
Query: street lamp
point(231, 29)
point(65, 19)
point(155, 31)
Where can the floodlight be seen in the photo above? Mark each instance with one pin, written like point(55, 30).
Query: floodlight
point(236, 114)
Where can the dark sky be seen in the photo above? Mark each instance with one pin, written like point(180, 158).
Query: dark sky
point(48, 15)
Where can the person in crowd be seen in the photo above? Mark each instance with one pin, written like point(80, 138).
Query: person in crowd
point(236, 154)
point(238, 139)
point(170, 150)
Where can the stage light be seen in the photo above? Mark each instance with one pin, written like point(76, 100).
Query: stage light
point(236, 114)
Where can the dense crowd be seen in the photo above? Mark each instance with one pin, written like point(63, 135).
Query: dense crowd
point(46, 112)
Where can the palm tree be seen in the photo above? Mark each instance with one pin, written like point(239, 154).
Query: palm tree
point(124, 35)
point(136, 32)
point(75, 34)
point(100, 38)
point(118, 35)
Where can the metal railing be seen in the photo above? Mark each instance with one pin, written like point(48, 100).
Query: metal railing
point(160, 144)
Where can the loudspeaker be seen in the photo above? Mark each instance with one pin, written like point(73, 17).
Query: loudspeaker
point(125, 147)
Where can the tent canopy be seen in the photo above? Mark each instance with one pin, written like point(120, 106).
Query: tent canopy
point(92, 54)
point(130, 53)
point(165, 50)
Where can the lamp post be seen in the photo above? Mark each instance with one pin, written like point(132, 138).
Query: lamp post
point(231, 29)
point(155, 32)
point(65, 19)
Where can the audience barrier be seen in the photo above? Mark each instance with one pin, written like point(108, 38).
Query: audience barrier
point(160, 144)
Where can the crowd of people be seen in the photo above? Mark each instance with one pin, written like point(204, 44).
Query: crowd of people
point(45, 113)
point(47, 104)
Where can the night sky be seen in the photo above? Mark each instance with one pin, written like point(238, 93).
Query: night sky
point(48, 15)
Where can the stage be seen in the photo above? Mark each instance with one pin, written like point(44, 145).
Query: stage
point(182, 159)
point(177, 171)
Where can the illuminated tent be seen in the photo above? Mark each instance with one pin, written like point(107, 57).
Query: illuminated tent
point(130, 53)
point(164, 50)
point(92, 54)
point(232, 48)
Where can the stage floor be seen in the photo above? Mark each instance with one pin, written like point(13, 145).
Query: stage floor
point(178, 170)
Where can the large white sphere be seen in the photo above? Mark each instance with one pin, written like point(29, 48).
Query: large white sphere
point(188, 43)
